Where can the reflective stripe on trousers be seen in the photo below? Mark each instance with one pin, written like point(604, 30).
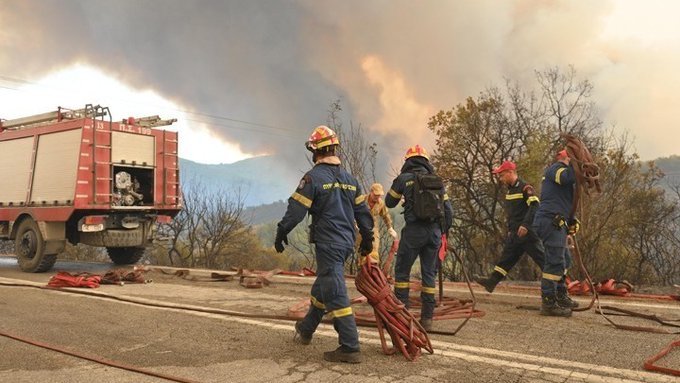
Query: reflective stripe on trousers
point(329, 294)
point(418, 240)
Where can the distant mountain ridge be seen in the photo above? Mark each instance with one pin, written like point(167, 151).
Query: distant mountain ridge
point(261, 180)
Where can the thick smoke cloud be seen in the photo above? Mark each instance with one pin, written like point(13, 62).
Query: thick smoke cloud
point(392, 63)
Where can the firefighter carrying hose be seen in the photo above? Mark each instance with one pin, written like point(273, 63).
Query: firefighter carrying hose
point(378, 210)
point(553, 222)
point(521, 204)
point(428, 214)
point(334, 200)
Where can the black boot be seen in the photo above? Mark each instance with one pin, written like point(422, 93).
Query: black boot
point(490, 282)
point(550, 307)
point(562, 295)
point(564, 300)
point(426, 323)
point(340, 355)
point(300, 336)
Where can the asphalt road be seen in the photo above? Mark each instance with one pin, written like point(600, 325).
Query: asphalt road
point(506, 345)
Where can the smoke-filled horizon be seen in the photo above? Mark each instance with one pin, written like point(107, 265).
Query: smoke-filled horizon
point(393, 64)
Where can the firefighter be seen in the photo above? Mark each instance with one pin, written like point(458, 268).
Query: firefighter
point(419, 237)
point(553, 222)
point(334, 200)
point(521, 204)
point(378, 210)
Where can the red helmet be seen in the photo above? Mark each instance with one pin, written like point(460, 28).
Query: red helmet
point(415, 151)
point(321, 137)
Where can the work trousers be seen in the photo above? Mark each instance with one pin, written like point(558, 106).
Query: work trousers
point(515, 247)
point(418, 240)
point(555, 242)
point(329, 295)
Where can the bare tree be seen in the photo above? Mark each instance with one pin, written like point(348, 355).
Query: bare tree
point(202, 232)
point(221, 222)
point(358, 156)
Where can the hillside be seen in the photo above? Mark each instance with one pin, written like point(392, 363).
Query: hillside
point(271, 212)
point(261, 180)
point(671, 169)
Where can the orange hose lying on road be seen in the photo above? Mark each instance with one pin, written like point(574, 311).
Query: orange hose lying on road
point(98, 359)
point(650, 366)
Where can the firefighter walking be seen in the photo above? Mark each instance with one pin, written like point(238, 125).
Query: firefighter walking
point(425, 222)
point(521, 204)
point(553, 222)
point(334, 200)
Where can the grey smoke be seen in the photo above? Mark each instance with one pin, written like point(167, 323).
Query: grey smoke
point(281, 63)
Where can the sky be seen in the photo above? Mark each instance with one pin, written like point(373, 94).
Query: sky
point(253, 77)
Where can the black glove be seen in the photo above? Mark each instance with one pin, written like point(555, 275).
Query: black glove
point(281, 238)
point(574, 226)
point(366, 246)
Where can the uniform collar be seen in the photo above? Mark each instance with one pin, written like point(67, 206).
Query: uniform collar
point(330, 160)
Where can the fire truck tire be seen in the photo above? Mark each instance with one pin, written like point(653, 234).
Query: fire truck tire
point(125, 255)
point(30, 248)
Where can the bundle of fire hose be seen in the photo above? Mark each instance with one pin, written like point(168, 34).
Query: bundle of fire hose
point(407, 335)
point(587, 171)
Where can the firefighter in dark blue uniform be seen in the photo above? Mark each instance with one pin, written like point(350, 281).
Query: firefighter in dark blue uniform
point(553, 222)
point(521, 204)
point(335, 201)
point(418, 237)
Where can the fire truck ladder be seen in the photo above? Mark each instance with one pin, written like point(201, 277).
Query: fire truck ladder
point(101, 152)
point(51, 117)
point(170, 173)
point(149, 121)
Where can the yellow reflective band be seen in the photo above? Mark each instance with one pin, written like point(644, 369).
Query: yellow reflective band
point(531, 199)
point(317, 304)
point(401, 285)
point(339, 313)
point(514, 196)
point(360, 199)
point(446, 197)
point(394, 194)
point(552, 277)
point(428, 290)
point(408, 183)
point(306, 202)
point(557, 175)
point(338, 185)
point(500, 270)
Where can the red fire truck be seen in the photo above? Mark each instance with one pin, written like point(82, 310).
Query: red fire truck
point(77, 175)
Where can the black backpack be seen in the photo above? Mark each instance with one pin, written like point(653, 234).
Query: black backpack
point(428, 197)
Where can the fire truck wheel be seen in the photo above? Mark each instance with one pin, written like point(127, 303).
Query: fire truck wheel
point(30, 248)
point(125, 255)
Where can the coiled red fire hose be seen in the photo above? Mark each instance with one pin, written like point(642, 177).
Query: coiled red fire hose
point(406, 333)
